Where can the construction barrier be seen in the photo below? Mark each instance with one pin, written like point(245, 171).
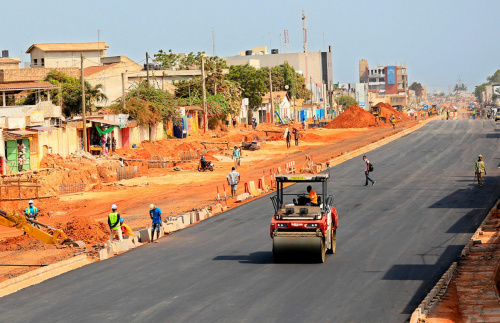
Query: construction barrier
point(253, 190)
point(246, 188)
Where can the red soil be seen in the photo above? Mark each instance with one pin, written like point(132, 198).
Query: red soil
point(353, 117)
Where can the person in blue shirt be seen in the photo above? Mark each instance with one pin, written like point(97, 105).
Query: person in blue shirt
point(32, 212)
point(155, 214)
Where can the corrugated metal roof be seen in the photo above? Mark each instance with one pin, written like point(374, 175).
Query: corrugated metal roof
point(69, 47)
point(20, 132)
point(110, 122)
point(20, 86)
point(41, 128)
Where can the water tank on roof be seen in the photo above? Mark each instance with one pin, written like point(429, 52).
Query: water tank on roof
point(5, 53)
point(248, 52)
point(275, 51)
point(151, 66)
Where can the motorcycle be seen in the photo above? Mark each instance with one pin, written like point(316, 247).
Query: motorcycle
point(204, 166)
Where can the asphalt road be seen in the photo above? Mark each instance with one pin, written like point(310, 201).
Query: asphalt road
point(395, 240)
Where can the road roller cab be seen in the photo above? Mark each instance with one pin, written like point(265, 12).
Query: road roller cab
point(299, 227)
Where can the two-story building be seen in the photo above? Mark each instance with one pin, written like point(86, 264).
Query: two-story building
point(57, 55)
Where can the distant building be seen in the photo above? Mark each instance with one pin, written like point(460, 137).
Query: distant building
point(389, 79)
point(317, 68)
point(66, 54)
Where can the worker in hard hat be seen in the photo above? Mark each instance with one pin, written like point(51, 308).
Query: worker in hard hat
point(480, 170)
point(155, 214)
point(32, 212)
point(114, 223)
point(126, 230)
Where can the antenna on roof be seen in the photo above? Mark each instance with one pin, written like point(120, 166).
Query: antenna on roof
point(213, 40)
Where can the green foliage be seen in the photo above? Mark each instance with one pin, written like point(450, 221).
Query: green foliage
point(223, 94)
point(460, 88)
point(418, 88)
point(150, 105)
point(495, 78)
point(70, 94)
point(255, 82)
point(167, 60)
point(251, 81)
point(346, 101)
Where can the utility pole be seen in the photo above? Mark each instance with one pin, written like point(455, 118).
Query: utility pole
point(147, 68)
point(294, 96)
point(271, 118)
point(82, 80)
point(311, 86)
point(204, 90)
point(123, 91)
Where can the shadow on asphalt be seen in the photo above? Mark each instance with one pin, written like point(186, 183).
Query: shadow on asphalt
point(266, 257)
point(429, 274)
point(260, 257)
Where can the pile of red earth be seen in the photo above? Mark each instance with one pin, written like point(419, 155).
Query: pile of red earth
point(23, 242)
point(387, 110)
point(353, 117)
point(87, 230)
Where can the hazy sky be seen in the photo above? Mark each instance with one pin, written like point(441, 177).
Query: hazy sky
point(439, 40)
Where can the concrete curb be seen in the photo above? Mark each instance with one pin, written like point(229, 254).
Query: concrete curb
point(39, 275)
point(434, 296)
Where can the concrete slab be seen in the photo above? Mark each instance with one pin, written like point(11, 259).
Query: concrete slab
point(169, 227)
point(194, 217)
point(145, 235)
point(122, 246)
point(242, 197)
point(103, 254)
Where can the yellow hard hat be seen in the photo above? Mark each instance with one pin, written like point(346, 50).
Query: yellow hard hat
point(480, 156)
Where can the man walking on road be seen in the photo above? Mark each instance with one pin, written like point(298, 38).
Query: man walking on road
point(155, 215)
point(236, 156)
point(296, 135)
point(288, 137)
point(233, 178)
point(480, 170)
point(114, 223)
point(367, 171)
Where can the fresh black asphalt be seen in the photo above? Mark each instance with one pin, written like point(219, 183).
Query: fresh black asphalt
point(395, 240)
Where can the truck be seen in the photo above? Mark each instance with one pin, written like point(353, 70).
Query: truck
point(300, 227)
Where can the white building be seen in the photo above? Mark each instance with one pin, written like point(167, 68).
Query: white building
point(56, 55)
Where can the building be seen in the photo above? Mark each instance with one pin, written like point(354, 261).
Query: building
point(316, 67)
point(386, 80)
point(55, 55)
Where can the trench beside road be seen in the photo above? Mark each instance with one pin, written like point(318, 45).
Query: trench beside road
point(394, 242)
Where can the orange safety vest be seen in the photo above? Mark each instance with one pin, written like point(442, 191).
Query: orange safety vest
point(313, 196)
point(126, 230)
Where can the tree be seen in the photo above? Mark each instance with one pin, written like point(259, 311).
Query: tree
point(418, 88)
point(70, 94)
point(460, 88)
point(495, 78)
point(149, 105)
point(251, 81)
point(346, 101)
point(166, 60)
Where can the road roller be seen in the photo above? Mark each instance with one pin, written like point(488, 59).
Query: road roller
point(303, 224)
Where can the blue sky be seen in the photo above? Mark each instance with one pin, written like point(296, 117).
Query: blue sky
point(439, 40)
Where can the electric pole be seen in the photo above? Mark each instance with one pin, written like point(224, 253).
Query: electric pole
point(82, 80)
point(204, 90)
point(147, 68)
point(271, 118)
point(123, 91)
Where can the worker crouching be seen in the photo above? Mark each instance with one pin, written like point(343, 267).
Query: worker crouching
point(114, 223)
